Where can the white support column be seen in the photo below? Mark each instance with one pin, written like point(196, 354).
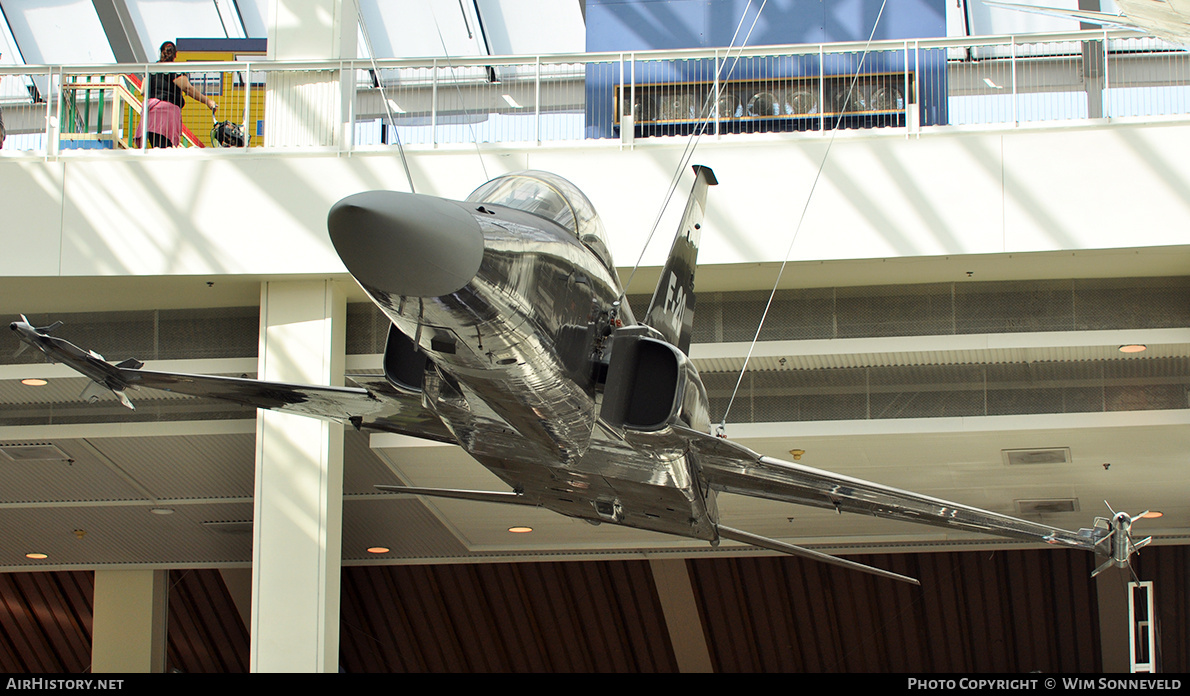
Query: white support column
point(297, 530)
point(313, 107)
point(129, 622)
point(681, 615)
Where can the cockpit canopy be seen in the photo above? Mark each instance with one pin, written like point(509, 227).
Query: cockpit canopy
point(553, 198)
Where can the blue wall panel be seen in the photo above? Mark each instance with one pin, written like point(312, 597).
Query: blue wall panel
point(642, 25)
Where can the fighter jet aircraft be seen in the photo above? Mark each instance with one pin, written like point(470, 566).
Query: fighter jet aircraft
point(511, 337)
point(1165, 19)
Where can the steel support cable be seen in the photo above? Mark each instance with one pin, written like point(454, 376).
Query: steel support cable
point(388, 109)
point(383, 95)
point(805, 207)
point(459, 90)
point(692, 141)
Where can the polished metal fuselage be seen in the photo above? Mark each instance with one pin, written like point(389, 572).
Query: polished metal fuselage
point(514, 380)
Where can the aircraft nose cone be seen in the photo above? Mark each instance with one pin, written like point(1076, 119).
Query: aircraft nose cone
point(406, 244)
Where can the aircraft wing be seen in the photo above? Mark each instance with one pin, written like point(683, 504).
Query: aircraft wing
point(733, 468)
point(375, 405)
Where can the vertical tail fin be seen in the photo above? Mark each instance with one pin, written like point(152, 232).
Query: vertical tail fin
point(671, 311)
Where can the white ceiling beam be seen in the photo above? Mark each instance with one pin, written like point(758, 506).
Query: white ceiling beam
point(121, 31)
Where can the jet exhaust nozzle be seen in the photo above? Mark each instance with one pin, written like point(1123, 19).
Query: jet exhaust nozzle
point(406, 244)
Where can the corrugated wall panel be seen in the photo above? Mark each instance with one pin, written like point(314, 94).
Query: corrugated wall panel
point(206, 634)
point(975, 612)
point(1169, 567)
point(1003, 611)
point(45, 621)
point(599, 616)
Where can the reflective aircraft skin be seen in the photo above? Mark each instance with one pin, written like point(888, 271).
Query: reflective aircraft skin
point(511, 337)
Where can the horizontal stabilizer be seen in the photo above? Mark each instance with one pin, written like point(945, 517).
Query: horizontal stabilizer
point(481, 496)
point(774, 545)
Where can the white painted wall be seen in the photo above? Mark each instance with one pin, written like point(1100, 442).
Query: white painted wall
point(881, 195)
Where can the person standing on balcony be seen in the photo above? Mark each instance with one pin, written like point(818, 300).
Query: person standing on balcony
point(167, 95)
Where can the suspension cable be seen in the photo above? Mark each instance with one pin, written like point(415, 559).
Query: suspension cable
point(704, 114)
point(801, 219)
point(388, 109)
point(458, 89)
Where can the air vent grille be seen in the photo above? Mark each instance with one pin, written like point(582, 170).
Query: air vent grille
point(947, 391)
point(932, 309)
point(229, 526)
point(38, 451)
point(1049, 455)
point(216, 332)
point(1046, 507)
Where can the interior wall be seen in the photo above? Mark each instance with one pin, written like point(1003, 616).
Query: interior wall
point(878, 196)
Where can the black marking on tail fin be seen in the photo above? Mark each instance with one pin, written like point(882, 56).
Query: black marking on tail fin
point(671, 311)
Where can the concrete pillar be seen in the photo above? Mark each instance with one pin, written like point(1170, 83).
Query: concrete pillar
point(128, 631)
point(311, 107)
point(681, 615)
point(297, 530)
point(1111, 589)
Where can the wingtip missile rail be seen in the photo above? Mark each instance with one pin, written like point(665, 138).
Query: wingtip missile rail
point(87, 362)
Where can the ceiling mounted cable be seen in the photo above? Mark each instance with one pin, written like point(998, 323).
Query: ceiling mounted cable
point(705, 113)
point(379, 81)
point(802, 217)
point(491, 77)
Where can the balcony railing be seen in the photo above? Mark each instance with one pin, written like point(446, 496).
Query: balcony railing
point(914, 86)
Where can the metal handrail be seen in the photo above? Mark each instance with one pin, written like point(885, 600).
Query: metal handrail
point(466, 91)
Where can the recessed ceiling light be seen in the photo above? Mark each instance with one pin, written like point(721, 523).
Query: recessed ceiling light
point(378, 549)
point(1132, 348)
point(520, 530)
point(37, 556)
point(161, 511)
point(34, 382)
